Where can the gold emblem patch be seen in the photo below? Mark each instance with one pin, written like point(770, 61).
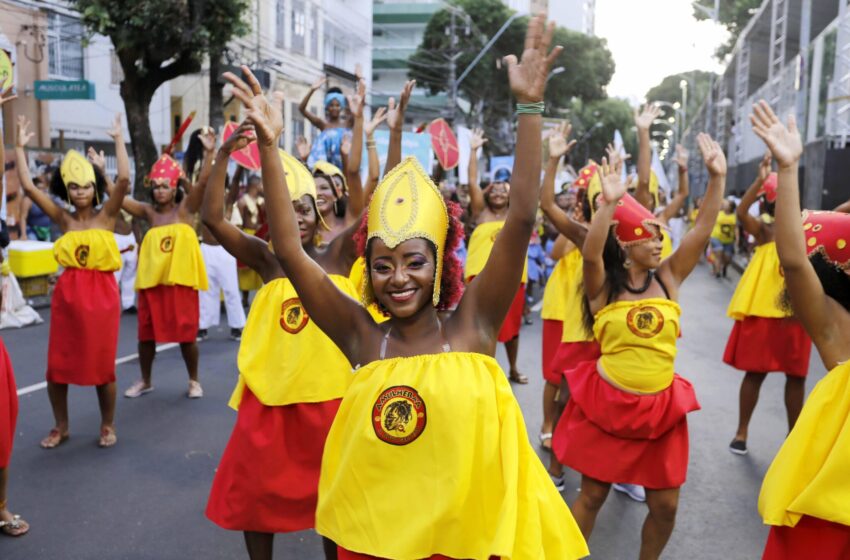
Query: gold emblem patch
point(81, 254)
point(398, 415)
point(293, 317)
point(166, 245)
point(645, 321)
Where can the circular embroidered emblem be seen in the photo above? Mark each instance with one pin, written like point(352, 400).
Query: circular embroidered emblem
point(495, 234)
point(81, 254)
point(166, 245)
point(399, 415)
point(645, 321)
point(293, 317)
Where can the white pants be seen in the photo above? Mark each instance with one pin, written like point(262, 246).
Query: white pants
point(126, 276)
point(221, 272)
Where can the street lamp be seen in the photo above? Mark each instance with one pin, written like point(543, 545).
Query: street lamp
point(555, 72)
point(683, 85)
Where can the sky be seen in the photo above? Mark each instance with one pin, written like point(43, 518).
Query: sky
point(651, 39)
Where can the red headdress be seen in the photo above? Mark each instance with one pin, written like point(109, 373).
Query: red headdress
point(586, 175)
point(633, 221)
point(828, 233)
point(166, 167)
point(768, 188)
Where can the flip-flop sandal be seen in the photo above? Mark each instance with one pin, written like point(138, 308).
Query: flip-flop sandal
point(54, 433)
point(108, 438)
point(518, 378)
point(17, 527)
point(543, 439)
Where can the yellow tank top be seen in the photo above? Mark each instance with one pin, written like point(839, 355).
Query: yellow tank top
point(284, 358)
point(171, 256)
point(811, 473)
point(759, 290)
point(554, 295)
point(91, 249)
point(357, 276)
point(574, 330)
point(430, 455)
point(478, 251)
point(666, 245)
point(724, 228)
point(638, 342)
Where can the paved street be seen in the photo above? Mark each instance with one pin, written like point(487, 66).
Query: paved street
point(144, 499)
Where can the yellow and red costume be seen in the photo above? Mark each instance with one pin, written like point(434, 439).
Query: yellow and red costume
point(805, 496)
point(480, 245)
point(85, 309)
point(552, 314)
point(429, 456)
point(765, 337)
point(8, 406)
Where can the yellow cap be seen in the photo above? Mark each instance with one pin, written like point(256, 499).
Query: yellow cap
point(299, 181)
point(653, 188)
point(408, 205)
point(329, 169)
point(76, 169)
point(592, 182)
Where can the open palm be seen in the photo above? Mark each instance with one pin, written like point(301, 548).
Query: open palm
point(712, 155)
point(613, 188)
point(558, 144)
point(528, 76)
point(263, 113)
point(784, 142)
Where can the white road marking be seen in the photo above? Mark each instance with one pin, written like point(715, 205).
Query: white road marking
point(118, 362)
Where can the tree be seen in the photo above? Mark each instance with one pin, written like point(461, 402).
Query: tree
point(587, 63)
point(156, 41)
point(669, 90)
point(594, 124)
point(734, 16)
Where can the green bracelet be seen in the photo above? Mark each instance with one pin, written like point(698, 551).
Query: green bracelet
point(530, 108)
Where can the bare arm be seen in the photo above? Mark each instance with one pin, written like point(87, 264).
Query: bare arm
point(558, 146)
point(112, 207)
point(355, 156)
point(489, 295)
point(395, 120)
point(476, 195)
point(374, 162)
point(751, 224)
point(334, 312)
point(593, 265)
point(681, 197)
point(41, 198)
point(192, 203)
point(5, 97)
point(843, 207)
point(643, 121)
point(683, 260)
point(316, 120)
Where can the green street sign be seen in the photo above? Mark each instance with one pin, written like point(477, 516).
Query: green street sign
point(62, 89)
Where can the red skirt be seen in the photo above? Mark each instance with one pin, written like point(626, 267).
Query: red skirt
point(343, 554)
point(85, 314)
point(513, 320)
point(615, 436)
point(8, 406)
point(268, 478)
point(762, 345)
point(810, 538)
point(569, 355)
point(551, 339)
point(168, 314)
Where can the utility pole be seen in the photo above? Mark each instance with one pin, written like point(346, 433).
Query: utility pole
point(453, 56)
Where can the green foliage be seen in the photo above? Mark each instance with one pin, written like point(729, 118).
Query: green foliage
point(594, 124)
point(668, 90)
point(587, 62)
point(734, 16)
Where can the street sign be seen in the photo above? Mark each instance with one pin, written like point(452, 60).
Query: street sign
point(64, 89)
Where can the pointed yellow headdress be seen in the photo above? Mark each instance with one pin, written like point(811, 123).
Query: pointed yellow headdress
point(588, 178)
point(408, 205)
point(76, 169)
point(299, 181)
point(331, 170)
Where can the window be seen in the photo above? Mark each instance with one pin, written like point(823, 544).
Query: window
point(116, 72)
point(297, 126)
point(339, 56)
point(280, 21)
point(299, 26)
point(314, 33)
point(65, 47)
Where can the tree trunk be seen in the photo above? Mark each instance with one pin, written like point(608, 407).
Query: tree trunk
point(137, 100)
point(216, 109)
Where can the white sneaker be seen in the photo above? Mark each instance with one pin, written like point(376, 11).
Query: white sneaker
point(558, 481)
point(633, 491)
point(195, 390)
point(138, 389)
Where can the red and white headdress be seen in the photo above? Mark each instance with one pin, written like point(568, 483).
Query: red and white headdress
point(768, 188)
point(633, 222)
point(828, 233)
point(166, 167)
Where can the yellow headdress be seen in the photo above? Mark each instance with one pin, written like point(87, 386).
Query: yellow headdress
point(653, 188)
point(588, 178)
point(408, 205)
point(331, 170)
point(76, 169)
point(299, 181)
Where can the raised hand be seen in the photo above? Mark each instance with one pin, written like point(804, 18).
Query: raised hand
point(712, 155)
point(378, 117)
point(395, 112)
point(241, 137)
point(645, 118)
point(613, 188)
point(6, 96)
point(115, 132)
point(97, 159)
point(23, 135)
point(615, 158)
point(784, 142)
point(263, 113)
point(682, 157)
point(302, 148)
point(207, 138)
point(528, 76)
point(318, 84)
point(477, 139)
point(558, 145)
point(764, 166)
point(358, 99)
point(345, 145)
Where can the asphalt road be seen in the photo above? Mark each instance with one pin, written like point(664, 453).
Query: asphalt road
point(145, 498)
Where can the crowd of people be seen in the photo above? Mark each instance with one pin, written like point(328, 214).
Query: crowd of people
point(400, 296)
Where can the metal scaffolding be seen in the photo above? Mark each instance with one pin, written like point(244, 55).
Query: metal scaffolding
point(778, 46)
point(838, 104)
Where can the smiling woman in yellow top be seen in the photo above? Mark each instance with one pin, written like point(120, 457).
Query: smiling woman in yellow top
point(428, 456)
point(171, 269)
point(85, 307)
point(626, 418)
